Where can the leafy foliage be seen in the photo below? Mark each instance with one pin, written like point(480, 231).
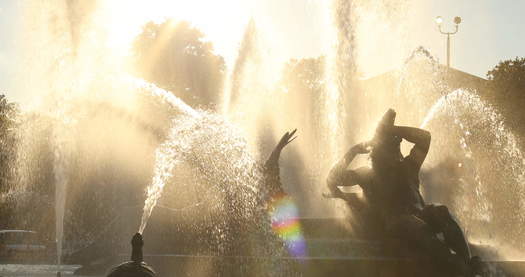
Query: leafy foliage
point(303, 82)
point(176, 57)
point(8, 124)
point(507, 90)
point(8, 140)
point(509, 76)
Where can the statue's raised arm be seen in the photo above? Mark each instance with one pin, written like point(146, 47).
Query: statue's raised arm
point(271, 167)
point(340, 176)
point(273, 160)
point(419, 137)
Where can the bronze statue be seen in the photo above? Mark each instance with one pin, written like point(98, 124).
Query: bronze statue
point(391, 189)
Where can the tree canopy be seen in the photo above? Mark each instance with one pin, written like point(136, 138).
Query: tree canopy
point(9, 113)
point(175, 56)
point(508, 77)
point(507, 90)
point(8, 123)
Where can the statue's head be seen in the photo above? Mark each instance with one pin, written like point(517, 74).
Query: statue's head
point(386, 147)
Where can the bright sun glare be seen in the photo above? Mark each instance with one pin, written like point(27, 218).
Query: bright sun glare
point(222, 22)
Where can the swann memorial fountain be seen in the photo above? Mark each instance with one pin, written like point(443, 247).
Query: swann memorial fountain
point(104, 152)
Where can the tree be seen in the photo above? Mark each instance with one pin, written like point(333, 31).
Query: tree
point(176, 57)
point(303, 84)
point(8, 123)
point(8, 149)
point(508, 77)
point(507, 91)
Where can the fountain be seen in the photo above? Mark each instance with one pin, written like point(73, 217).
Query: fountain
point(478, 140)
point(113, 136)
point(60, 169)
point(183, 137)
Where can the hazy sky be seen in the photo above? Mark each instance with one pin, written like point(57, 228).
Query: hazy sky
point(491, 31)
point(8, 21)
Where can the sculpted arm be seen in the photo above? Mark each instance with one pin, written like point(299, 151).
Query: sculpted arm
point(341, 176)
point(421, 140)
point(271, 167)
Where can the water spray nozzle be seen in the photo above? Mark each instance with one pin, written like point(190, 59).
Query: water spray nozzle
point(136, 248)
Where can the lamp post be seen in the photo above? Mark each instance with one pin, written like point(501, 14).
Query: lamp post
point(439, 21)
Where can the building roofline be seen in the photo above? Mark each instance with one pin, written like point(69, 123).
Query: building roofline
point(444, 69)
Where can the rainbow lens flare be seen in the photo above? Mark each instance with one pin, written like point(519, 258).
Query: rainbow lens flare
point(286, 224)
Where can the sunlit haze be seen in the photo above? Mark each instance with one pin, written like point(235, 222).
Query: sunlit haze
point(296, 28)
point(263, 137)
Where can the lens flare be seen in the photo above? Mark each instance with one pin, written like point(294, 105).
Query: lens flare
point(286, 224)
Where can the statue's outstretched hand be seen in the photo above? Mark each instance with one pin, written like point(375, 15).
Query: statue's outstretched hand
point(286, 139)
point(334, 193)
point(351, 199)
point(361, 148)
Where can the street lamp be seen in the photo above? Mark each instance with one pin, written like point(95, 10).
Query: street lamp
point(439, 21)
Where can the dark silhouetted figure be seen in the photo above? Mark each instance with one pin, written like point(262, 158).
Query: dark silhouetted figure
point(271, 167)
point(391, 188)
point(136, 267)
